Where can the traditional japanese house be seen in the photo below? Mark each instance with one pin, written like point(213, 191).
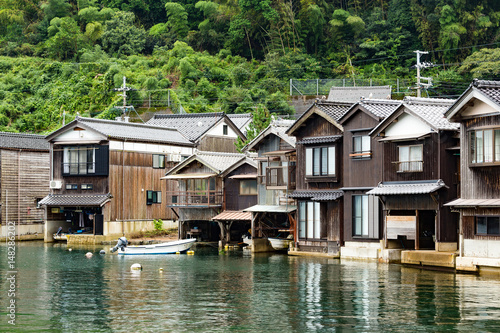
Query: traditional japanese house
point(419, 176)
point(273, 214)
point(241, 120)
point(210, 131)
point(363, 161)
point(24, 181)
point(105, 178)
point(200, 194)
point(319, 178)
point(240, 192)
point(478, 112)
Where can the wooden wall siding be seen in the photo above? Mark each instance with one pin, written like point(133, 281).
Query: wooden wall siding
point(217, 143)
point(468, 222)
point(232, 198)
point(196, 167)
point(267, 144)
point(410, 202)
point(361, 172)
point(333, 222)
point(477, 182)
point(129, 184)
point(25, 178)
point(316, 126)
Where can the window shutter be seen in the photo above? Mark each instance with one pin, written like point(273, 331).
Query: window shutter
point(331, 160)
point(309, 161)
point(102, 160)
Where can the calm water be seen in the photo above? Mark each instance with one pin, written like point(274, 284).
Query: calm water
point(58, 290)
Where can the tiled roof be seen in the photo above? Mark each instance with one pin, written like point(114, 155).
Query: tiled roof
point(23, 141)
point(191, 125)
point(333, 109)
point(353, 94)
point(229, 215)
point(134, 131)
point(278, 128)
point(319, 195)
point(219, 161)
point(411, 187)
point(489, 88)
point(75, 200)
point(240, 119)
point(380, 107)
point(432, 111)
point(319, 139)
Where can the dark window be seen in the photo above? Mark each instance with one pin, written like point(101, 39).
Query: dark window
point(248, 187)
point(224, 129)
point(153, 197)
point(87, 187)
point(484, 146)
point(79, 160)
point(320, 161)
point(488, 225)
point(71, 186)
point(361, 147)
point(159, 161)
point(410, 158)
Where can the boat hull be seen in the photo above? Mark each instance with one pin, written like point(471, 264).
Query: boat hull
point(180, 246)
point(280, 244)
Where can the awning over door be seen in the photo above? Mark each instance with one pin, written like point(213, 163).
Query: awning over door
point(414, 187)
point(470, 203)
point(75, 200)
point(270, 209)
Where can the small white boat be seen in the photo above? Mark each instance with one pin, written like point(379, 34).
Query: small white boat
point(280, 244)
point(60, 237)
point(180, 246)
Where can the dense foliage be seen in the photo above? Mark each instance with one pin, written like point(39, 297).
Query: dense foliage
point(230, 55)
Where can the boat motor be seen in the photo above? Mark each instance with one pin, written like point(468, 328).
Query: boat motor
point(122, 244)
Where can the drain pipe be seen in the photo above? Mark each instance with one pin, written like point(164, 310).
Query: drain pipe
point(123, 187)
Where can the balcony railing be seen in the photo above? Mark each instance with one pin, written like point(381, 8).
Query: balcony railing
point(409, 166)
point(194, 199)
point(281, 176)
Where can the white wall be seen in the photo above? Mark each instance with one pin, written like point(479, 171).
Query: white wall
point(406, 125)
point(481, 248)
point(150, 148)
point(218, 131)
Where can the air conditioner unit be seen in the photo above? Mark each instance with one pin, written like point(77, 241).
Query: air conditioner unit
point(55, 184)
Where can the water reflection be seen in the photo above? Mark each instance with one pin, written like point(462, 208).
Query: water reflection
point(64, 291)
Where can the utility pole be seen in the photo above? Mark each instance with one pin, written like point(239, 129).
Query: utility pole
point(124, 90)
point(419, 65)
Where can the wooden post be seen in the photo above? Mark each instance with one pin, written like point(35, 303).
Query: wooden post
point(417, 231)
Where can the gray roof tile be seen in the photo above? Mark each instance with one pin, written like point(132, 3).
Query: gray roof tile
point(219, 161)
point(411, 187)
point(333, 109)
point(134, 131)
point(320, 139)
point(191, 125)
point(75, 200)
point(240, 119)
point(379, 107)
point(489, 88)
point(432, 110)
point(278, 128)
point(23, 141)
point(317, 195)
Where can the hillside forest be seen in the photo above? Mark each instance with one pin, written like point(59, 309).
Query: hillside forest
point(60, 58)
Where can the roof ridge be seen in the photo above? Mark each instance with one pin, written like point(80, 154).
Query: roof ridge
point(485, 83)
point(428, 101)
point(30, 135)
point(204, 152)
point(123, 123)
point(379, 101)
point(185, 115)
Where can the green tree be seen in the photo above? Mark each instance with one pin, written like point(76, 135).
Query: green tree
point(65, 38)
point(177, 20)
point(56, 8)
point(261, 118)
point(121, 36)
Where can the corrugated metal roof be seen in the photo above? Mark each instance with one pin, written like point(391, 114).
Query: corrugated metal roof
point(320, 139)
point(229, 215)
point(353, 94)
point(413, 187)
point(75, 200)
point(270, 209)
point(134, 131)
point(317, 195)
point(468, 203)
point(432, 110)
point(191, 125)
point(23, 141)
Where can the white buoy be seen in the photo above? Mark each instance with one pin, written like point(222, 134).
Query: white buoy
point(88, 255)
point(102, 252)
point(70, 249)
point(136, 267)
point(161, 269)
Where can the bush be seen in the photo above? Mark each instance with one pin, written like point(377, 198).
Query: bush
point(158, 224)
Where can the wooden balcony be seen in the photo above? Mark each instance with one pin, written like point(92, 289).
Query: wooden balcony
point(194, 199)
point(280, 177)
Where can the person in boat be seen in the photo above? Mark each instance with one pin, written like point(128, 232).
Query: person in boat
point(59, 231)
point(122, 244)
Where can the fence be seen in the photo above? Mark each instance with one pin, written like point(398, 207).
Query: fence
point(322, 86)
